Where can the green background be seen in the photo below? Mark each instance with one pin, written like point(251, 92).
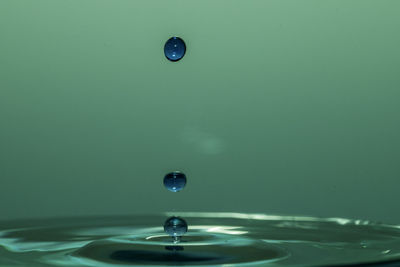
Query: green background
point(283, 107)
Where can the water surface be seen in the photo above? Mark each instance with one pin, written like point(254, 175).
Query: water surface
point(213, 239)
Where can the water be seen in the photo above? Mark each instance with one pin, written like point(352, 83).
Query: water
point(213, 239)
point(175, 227)
point(174, 49)
point(175, 181)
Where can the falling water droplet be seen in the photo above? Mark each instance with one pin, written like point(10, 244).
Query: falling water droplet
point(175, 227)
point(174, 49)
point(175, 181)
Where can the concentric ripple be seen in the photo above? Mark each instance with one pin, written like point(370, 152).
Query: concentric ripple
point(213, 239)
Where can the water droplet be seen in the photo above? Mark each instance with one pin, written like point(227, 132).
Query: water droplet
point(175, 181)
point(174, 49)
point(175, 227)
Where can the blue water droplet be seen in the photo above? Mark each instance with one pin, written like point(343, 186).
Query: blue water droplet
point(175, 181)
point(175, 227)
point(174, 49)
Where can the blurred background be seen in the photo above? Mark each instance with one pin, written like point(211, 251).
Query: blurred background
point(278, 107)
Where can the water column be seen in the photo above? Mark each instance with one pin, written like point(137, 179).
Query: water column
point(174, 226)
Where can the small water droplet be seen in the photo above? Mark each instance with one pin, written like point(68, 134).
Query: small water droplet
point(175, 181)
point(175, 227)
point(174, 49)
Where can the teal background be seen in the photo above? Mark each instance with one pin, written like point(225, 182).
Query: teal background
point(284, 107)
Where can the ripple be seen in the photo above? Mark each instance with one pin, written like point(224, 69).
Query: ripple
point(212, 239)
